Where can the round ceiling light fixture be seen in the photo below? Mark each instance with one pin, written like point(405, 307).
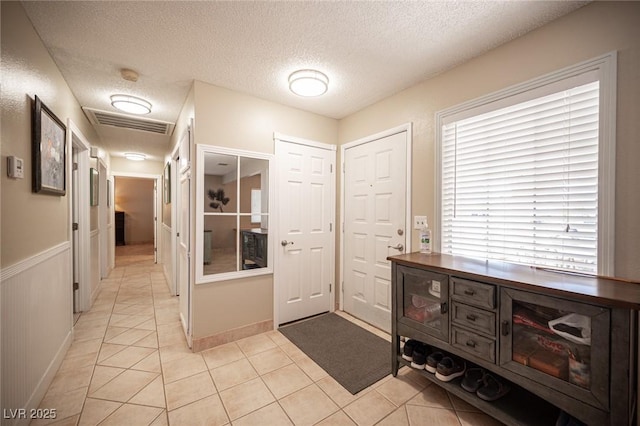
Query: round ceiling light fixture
point(308, 83)
point(135, 156)
point(131, 104)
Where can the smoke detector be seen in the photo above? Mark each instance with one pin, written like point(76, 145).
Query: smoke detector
point(129, 75)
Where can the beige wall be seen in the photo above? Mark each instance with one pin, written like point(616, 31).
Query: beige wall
point(593, 30)
point(134, 196)
point(31, 222)
point(36, 300)
point(234, 120)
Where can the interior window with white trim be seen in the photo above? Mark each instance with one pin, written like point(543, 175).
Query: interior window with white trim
point(520, 178)
point(233, 213)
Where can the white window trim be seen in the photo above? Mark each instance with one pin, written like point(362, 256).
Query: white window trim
point(201, 278)
point(606, 66)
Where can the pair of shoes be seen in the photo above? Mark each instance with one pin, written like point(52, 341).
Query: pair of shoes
point(449, 368)
point(433, 360)
point(483, 384)
point(409, 347)
point(415, 352)
point(473, 379)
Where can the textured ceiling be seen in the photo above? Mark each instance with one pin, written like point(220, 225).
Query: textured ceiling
point(369, 50)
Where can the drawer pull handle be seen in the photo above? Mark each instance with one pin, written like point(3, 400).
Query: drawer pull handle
point(469, 292)
point(472, 317)
point(471, 343)
point(505, 328)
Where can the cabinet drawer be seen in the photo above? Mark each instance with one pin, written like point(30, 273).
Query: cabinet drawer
point(479, 346)
point(477, 319)
point(474, 293)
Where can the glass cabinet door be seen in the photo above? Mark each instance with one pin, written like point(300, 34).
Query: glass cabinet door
point(558, 343)
point(423, 301)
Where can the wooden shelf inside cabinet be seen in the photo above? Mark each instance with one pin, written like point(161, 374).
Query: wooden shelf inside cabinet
point(518, 407)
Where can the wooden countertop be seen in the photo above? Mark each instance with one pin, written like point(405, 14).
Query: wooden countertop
point(599, 290)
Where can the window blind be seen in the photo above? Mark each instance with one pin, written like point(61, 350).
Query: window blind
point(520, 183)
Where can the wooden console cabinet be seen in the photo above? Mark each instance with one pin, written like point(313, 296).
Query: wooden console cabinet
point(562, 341)
point(254, 248)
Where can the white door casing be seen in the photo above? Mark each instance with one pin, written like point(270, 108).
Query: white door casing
point(305, 247)
point(376, 179)
point(184, 253)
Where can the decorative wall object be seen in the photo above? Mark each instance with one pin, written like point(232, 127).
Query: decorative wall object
point(93, 184)
point(49, 148)
point(219, 199)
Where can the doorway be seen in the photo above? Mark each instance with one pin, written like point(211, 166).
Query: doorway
point(376, 201)
point(305, 260)
point(135, 217)
point(79, 219)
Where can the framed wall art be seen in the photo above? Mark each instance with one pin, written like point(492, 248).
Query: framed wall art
point(167, 183)
point(93, 185)
point(48, 151)
point(109, 191)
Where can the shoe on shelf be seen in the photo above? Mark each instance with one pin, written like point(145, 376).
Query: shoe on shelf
point(492, 388)
point(473, 379)
point(420, 353)
point(433, 360)
point(409, 347)
point(450, 368)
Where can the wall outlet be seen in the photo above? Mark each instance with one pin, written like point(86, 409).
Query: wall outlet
point(419, 221)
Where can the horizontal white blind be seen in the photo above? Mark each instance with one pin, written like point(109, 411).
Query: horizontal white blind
point(520, 183)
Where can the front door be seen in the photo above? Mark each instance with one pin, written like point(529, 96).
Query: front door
point(375, 179)
point(305, 247)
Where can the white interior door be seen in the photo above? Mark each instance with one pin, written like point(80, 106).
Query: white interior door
point(184, 281)
point(75, 228)
point(103, 212)
point(155, 220)
point(375, 182)
point(305, 246)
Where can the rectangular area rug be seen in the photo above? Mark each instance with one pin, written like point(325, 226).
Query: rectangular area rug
point(353, 356)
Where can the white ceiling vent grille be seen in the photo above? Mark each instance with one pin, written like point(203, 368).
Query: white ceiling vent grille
point(104, 118)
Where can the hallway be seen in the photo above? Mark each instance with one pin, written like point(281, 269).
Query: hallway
point(130, 365)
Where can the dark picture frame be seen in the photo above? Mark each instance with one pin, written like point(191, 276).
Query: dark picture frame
point(49, 151)
point(109, 193)
point(167, 184)
point(93, 186)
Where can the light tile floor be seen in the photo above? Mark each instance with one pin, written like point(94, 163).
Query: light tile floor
point(129, 364)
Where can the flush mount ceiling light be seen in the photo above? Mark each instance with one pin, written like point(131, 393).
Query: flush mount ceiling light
point(131, 104)
point(134, 156)
point(308, 83)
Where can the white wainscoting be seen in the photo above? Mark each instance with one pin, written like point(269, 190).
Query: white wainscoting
point(37, 321)
point(167, 259)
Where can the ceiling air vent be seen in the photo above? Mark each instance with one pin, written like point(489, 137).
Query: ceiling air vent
point(123, 121)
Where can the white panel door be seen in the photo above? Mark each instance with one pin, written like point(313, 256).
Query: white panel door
point(184, 282)
point(305, 246)
point(374, 227)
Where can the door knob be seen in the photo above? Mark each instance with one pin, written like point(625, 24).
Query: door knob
point(285, 243)
point(399, 247)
